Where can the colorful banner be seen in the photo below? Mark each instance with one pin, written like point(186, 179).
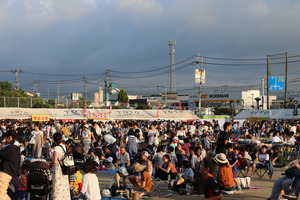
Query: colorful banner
point(39, 118)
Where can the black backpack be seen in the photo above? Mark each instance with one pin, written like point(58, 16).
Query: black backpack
point(67, 163)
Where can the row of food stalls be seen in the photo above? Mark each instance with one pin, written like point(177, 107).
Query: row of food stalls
point(44, 114)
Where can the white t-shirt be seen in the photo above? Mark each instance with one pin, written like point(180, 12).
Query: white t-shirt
point(154, 139)
point(264, 157)
point(60, 151)
point(90, 187)
point(109, 139)
point(276, 139)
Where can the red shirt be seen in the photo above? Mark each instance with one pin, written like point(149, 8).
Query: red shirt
point(186, 148)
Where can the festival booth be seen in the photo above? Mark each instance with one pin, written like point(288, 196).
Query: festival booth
point(44, 114)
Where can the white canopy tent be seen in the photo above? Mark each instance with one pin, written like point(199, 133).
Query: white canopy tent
point(100, 114)
point(270, 114)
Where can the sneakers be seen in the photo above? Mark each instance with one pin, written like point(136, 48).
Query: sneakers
point(239, 188)
point(291, 196)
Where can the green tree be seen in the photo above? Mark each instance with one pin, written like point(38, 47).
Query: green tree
point(222, 111)
point(123, 98)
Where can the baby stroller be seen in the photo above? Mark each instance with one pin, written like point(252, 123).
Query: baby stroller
point(38, 179)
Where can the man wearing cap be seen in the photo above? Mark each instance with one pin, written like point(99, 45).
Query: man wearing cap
point(116, 182)
point(143, 185)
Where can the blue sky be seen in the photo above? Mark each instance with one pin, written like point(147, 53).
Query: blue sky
point(84, 37)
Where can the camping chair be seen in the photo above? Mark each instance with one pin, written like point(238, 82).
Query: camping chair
point(155, 183)
point(241, 167)
point(264, 168)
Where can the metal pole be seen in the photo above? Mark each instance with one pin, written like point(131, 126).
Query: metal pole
point(200, 86)
point(268, 74)
point(286, 81)
point(262, 92)
point(4, 102)
point(18, 102)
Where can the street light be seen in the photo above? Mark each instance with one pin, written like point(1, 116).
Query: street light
point(257, 99)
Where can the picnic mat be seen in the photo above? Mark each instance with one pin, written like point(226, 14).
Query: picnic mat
point(108, 171)
point(254, 187)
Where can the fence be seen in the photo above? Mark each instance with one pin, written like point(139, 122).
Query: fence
point(28, 102)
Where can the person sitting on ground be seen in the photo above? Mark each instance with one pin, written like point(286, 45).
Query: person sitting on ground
point(173, 157)
point(225, 176)
point(212, 190)
point(118, 182)
point(294, 194)
point(90, 184)
point(197, 158)
point(145, 158)
point(278, 160)
point(144, 184)
point(158, 158)
point(187, 176)
point(286, 181)
point(167, 169)
point(108, 154)
point(123, 158)
point(276, 138)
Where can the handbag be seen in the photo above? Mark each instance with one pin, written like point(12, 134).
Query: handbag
point(32, 140)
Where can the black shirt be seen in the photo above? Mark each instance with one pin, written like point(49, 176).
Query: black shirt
point(221, 148)
point(10, 160)
point(111, 154)
point(211, 188)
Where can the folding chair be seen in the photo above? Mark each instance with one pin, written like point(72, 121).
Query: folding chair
point(155, 183)
point(261, 170)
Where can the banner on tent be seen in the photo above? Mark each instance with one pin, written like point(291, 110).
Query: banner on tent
point(39, 118)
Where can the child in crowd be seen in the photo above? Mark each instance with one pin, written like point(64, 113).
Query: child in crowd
point(22, 188)
point(90, 184)
point(233, 160)
point(212, 190)
point(186, 146)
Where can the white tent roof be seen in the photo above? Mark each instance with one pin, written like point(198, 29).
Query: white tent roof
point(104, 114)
point(271, 114)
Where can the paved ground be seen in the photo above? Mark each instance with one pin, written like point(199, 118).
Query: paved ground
point(266, 184)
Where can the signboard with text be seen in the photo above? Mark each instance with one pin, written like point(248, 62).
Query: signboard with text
point(40, 118)
point(200, 76)
point(276, 82)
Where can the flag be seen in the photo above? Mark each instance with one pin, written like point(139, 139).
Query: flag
point(157, 113)
point(180, 106)
point(84, 111)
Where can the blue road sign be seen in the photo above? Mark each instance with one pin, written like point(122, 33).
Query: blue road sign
point(276, 82)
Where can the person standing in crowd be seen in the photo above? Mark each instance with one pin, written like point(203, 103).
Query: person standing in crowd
point(223, 138)
point(10, 163)
point(38, 141)
point(153, 135)
point(86, 138)
point(60, 182)
point(131, 143)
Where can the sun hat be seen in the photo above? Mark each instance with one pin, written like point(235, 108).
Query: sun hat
point(123, 170)
point(137, 168)
point(175, 138)
point(109, 159)
point(221, 158)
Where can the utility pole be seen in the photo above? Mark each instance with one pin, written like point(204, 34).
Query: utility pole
point(107, 86)
point(16, 72)
point(262, 92)
point(200, 85)
point(268, 74)
point(286, 81)
point(85, 89)
point(172, 80)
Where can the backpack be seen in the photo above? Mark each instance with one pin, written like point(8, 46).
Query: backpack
point(67, 163)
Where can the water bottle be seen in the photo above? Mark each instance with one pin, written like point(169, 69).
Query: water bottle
point(169, 178)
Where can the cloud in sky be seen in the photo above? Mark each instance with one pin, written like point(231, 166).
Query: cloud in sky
point(88, 36)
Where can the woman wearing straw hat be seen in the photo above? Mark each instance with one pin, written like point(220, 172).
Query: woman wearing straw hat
point(144, 184)
point(225, 176)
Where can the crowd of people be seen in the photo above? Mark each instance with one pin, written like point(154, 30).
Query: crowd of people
point(193, 156)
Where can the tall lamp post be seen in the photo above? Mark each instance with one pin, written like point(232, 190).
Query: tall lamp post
point(257, 99)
